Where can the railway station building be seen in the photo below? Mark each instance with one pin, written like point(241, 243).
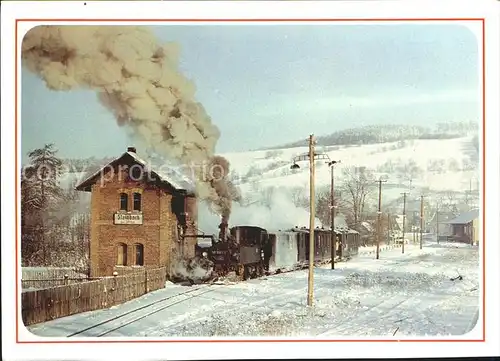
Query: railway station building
point(140, 217)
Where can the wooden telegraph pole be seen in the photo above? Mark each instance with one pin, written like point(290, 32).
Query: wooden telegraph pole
point(404, 221)
point(437, 222)
point(332, 215)
point(311, 221)
point(379, 215)
point(311, 156)
point(389, 228)
point(331, 164)
point(421, 218)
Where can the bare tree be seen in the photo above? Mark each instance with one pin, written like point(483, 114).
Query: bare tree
point(449, 200)
point(357, 185)
point(323, 204)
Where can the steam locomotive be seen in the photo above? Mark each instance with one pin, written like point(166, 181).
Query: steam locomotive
point(252, 252)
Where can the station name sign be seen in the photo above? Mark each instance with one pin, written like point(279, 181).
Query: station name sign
point(127, 218)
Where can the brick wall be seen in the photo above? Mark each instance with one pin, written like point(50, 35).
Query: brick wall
point(158, 233)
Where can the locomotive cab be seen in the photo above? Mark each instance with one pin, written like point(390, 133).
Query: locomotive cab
point(253, 249)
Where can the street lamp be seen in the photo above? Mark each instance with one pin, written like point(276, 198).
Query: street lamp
point(312, 156)
point(332, 214)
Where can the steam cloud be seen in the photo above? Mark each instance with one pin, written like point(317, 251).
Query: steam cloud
point(137, 79)
point(281, 214)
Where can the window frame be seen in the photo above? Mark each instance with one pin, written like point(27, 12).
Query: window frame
point(124, 198)
point(121, 248)
point(137, 198)
point(137, 247)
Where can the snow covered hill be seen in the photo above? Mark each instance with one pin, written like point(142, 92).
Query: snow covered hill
point(427, 165)
point(439, 165)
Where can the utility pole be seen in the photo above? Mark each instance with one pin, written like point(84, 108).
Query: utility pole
point(404, 220)
point(421, 218)
point(437, 223)
point(311, 156)
point(332, 212)
point(312, 214)
point(389, 229)
point(413, 228)
point(379, 214)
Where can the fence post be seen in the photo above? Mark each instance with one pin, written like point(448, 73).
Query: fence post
point(112, 297)
point(66, 279)
point(114, 280)
point(146, 290)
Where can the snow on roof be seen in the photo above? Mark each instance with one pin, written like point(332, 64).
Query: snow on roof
point(465, 217)
point(168, 174)
point(367, 226)
point(338, 229)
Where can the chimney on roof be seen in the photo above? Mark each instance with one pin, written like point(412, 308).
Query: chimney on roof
point(131, 149)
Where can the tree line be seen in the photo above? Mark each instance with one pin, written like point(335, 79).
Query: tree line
point(385, 133)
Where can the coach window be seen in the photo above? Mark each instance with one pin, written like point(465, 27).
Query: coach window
point(123, 201)
point(137, 201)
point(121, 254)
point(139, 254)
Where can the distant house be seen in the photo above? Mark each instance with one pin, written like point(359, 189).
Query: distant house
point(465, 227)
point(395, 227)
point(398, 222)
point(395, 224)
point(367, 233)
point(438, 223)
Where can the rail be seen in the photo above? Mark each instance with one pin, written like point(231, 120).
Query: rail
point(148, 306)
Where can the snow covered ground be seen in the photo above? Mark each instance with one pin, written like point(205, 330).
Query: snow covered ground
point(411, 294)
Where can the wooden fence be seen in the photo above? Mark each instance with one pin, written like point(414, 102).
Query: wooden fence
point(51, 303)
point(46, 277)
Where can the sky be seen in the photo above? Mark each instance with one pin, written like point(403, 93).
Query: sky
point(266, 85)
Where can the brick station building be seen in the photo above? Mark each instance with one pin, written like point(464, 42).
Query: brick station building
point(139, 216)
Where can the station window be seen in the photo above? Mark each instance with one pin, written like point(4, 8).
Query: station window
point(137, 201)
point(139, 254)
point(121, 254)
point(123, 201)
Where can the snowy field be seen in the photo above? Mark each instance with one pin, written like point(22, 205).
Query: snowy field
point(274, 169)
point(411, 294)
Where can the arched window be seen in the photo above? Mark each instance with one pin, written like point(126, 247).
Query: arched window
point(121, 250)
point(137, 201)
point(123, 201)
point(139, 254)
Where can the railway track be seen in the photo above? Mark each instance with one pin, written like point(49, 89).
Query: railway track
point(112, 324)
point(118, 322)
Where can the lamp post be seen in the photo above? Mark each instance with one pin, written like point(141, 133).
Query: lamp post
point(332, 212)
point(438, 205)
point(421, 218)
point(312, 156)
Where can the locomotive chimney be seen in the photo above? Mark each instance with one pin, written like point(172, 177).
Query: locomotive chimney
point(131, 150)
point(223, 230)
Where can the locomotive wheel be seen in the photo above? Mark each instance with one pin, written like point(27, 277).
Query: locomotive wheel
point(255, 272)
point(246, 273)
point(239, 270)
point(260, 271)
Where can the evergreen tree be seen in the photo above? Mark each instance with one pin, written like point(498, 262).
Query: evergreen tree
point(40, 193)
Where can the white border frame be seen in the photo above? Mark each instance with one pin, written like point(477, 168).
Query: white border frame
point(243, 10)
